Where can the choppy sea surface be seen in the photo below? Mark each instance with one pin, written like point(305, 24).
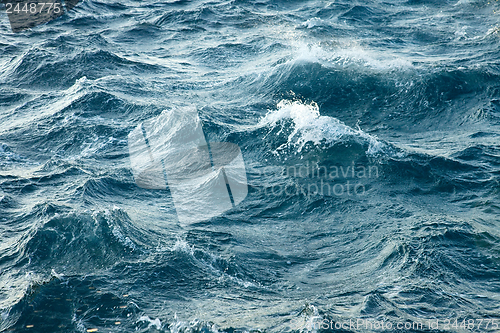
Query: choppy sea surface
point(370, 132)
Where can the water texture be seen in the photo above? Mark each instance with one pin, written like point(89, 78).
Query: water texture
point(370, 132)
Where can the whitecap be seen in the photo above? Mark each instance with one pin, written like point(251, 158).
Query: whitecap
point(310, 127)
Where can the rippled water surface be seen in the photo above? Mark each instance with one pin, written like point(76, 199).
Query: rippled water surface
point(370, 132)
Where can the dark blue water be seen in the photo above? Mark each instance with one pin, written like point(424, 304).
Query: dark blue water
point(404, 93)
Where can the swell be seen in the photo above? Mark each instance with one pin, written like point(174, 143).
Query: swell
point(403, 100)
point(39, 68)
point(174, 274)
point(339, 85)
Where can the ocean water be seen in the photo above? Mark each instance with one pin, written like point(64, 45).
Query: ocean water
point(370, 133)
